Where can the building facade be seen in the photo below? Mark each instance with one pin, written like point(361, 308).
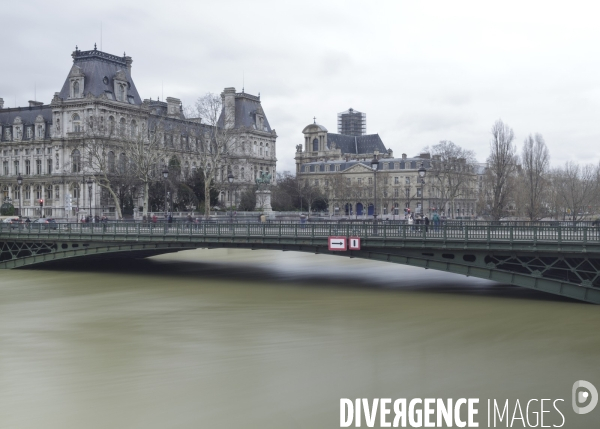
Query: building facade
point(49, 145)
point(341, 166)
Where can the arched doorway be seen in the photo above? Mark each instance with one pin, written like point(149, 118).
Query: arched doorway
point(359, 209)
point(370, 210)
point(348, 209)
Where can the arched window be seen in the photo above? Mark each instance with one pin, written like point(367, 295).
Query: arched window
point(122, 163)
point(122, 126)
point(134, 129)
point(76, 89)
point(315, 145)
point(76, 161)
point(38, 192)
point(242, 174)
point(49, 192)
point(111, 125)
point(111, 162)
point(27, 192)
point(76, 123)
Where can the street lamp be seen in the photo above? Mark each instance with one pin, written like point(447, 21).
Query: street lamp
point(20, 182)
point(165, 174)
point(230, 180)
point(422, 172)
point(374, 166)
point(90, 182)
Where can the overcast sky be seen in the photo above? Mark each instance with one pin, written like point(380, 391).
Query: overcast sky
point(422, 71)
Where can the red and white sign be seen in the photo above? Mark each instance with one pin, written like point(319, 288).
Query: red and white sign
point(337, 244)
point(354, 243)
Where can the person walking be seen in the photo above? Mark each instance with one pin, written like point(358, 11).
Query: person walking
point(410, 222)
point(436, 221)
point(426, 223)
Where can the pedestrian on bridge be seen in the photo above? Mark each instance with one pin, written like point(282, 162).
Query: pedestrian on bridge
point(426, 223)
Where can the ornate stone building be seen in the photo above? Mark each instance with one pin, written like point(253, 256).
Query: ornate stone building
point(341, 166)
point(45, 144)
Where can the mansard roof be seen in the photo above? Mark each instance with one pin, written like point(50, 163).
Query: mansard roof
point(27, 114)
point(95, 66)
point(356, 144)
point(246, 108)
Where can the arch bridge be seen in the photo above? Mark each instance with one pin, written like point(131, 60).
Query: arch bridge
point(562, 260)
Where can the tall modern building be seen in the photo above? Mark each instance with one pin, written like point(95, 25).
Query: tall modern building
point(352, 123)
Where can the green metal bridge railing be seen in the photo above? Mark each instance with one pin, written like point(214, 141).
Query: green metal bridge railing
point(486, 233)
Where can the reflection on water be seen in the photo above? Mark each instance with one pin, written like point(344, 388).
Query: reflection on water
point(260, 339)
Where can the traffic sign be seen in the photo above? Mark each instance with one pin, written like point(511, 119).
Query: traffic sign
point(354, 243)
point(337, 244)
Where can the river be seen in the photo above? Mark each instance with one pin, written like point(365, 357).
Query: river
point(267, 339)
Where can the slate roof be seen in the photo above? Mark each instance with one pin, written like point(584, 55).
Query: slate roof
point(246, 107)
point(357, 144)
point(27, 114)
point(96, 65)
point(346, 165)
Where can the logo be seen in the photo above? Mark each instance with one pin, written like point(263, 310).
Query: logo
point(585, 397)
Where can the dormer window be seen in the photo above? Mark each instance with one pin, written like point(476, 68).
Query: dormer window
point(122, 92)
point(29, 132)
point(76, 89)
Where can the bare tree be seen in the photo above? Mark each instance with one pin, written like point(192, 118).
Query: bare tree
point(501, 168)
point(220, 140)
point(535, 168)
point(145, 153)
point(577, 188)
point(452, 172)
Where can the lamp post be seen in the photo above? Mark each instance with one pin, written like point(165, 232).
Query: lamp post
point(230, 180)
point(422, 172)
point(374, 166)
point(165, 174)
point(90, 182)
point(20, 182)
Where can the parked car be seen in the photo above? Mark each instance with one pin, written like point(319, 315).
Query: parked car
point(44, 223)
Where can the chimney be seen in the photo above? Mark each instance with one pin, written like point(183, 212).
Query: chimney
point(403, 156)
point(128, 61)
point(228, 97)
point(173, 106)
point(35, 103)
point(1, 103)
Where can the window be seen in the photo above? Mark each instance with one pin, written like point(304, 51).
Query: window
point(16, 163)
point(396, 165)
point(402, 165)
point(76, 161)
point(49, 192)
point(413, 165)
point(121, 92)
point(76, 123)
point(40, 132)
point(370, 180)
point(315, 145)
point(57, 192)
point(407, 180)
point(26, 151)
point(396, 192)
point(76, 191)
point(38, 166)
point(111, 125)
point(396, 180)
point(38, 192)
point(29, 132)
point(38, 151)
point(27, 167)
point(111, 162)
point(122, 163)
point(27, 192)
point(332, 167)
point(49, 151)
point(359, 181)
point(49, 165)
point(76, 89)
point(5, 168)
